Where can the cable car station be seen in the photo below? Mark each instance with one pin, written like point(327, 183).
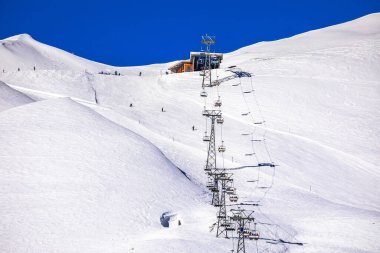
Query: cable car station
point(197, 62)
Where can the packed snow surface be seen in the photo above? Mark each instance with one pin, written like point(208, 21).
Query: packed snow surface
point(11, 98)
point(94, 164)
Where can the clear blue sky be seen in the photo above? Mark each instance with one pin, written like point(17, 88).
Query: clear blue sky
point(136, 32)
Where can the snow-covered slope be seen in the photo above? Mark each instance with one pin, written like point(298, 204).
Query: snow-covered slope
point(11, 98)
point(318, 93)
point(80, 183)
point(22, 51)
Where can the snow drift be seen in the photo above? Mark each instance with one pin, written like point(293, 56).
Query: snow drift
point(10, 98)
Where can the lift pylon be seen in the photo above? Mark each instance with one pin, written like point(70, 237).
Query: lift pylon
point(206, 72)
point(223, 178)
point(242, 218)
point(211, 153)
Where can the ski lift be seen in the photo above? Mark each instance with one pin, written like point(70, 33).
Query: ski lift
point(214, 189)
point(254, 234)
point(234, 197)
point(205, 113)
point(203, 94)
point(230, 190)
point(210, 184)
point(230, 227)
point(206, 137)
point(235, 216)
point(220, 120)
point(218, 205)
point(222, 148)
point(207, 168)
point(218, 103)
point(246, 232)
point(266, 164)
point(223, 176)
point(221, 216)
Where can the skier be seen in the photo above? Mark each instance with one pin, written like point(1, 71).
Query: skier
point(130, 105)
point(140, 74)
point(193, 128)
point(162, 109)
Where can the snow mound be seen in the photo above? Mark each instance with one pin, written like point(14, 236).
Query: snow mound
point(11, 98)
point(170, 219)
point(75, 181)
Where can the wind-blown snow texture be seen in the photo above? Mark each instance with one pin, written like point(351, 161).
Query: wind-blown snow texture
point(89, 173)
point(10, 98)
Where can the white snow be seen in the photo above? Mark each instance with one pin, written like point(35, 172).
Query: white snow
point(10, 98)
point(89, 173)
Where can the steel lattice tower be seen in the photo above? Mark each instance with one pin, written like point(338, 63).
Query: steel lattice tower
point(211, 154)
point(208, 41)
point(242, 217)
point(223, 178)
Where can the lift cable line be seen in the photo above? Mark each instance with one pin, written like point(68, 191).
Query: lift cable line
point(219, 178)
point(263, 140)
point(237, 73)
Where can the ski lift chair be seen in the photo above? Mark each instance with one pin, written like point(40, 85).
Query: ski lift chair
point(214, 189)
point(210, 184)
point(206, 137)
point(234, 197)
point(266, 164)
point(222, 148)
point(207, 168)
point(218, 103)
point(254, 235)
point(246, 232)
point(220, 120)
point(217, 205)
point(230, 226)
point(230, 190)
